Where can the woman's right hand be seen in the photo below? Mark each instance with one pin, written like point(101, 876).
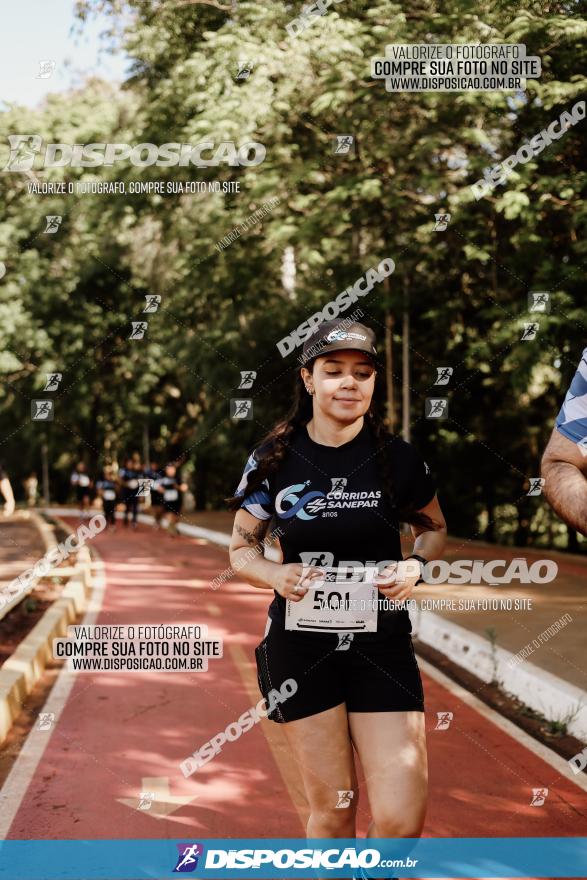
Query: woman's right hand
point(295, 575)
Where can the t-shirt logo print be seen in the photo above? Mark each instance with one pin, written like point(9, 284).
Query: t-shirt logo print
point(307, 507)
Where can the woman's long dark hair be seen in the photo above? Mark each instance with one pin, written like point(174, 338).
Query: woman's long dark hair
point(275, 446)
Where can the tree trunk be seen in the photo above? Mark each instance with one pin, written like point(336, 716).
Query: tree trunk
point(389, 370)
point(201, 482)
point(572, 542)
point(489, 497)
point(521, 535)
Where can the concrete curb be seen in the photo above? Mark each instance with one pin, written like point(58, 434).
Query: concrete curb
point(542, 691)
point(183, 528)
point(23, 669)
point(49, 542)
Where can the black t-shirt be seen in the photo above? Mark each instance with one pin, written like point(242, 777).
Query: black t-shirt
point(169, 489)
point(108, 488)
point(155, 476)
point(330, 504)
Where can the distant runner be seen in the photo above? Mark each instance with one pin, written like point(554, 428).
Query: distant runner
point(129, 477)
point(153, 473)
point(172, 489)
point(31, 488)
point(7, 493)
point(107, 491)
point(82, 484)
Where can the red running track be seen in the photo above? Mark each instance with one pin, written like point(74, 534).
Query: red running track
point(118, 729)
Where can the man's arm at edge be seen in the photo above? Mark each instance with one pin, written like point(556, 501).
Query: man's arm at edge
point(564, 470)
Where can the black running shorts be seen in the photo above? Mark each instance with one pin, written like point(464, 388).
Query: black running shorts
point(173, 506)
point(369, 672)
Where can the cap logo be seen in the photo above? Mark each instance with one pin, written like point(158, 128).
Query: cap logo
point(336, 335)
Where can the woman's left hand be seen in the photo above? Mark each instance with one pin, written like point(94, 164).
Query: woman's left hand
point(398, 585)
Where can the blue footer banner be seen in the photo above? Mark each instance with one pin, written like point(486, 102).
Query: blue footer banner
point(225, 858)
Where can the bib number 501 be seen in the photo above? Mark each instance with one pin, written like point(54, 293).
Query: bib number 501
point(335, 600)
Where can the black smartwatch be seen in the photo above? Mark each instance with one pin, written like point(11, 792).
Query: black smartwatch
point(422, 562)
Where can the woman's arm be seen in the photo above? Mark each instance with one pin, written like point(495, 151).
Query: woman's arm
point(430, 544)
point(246, 553)
point(246, 550)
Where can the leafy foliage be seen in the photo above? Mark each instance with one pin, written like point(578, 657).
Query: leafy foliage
point(67, 300)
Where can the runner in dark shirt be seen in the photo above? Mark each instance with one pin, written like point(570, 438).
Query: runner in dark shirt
point(107, 491)
point(82, 484)
point(336, 664)
point(171, 488)
point(129, 477)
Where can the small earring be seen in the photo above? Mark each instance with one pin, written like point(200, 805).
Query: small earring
point(309, 390)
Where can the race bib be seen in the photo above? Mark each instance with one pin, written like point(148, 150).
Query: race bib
point(109, 494)
point(83, 480)
point(335, 605)
point(132, 484)
point(170, 495)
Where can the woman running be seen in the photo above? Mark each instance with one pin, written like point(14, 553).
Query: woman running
point(338, 485)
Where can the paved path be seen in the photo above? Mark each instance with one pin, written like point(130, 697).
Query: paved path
point(118, 734)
